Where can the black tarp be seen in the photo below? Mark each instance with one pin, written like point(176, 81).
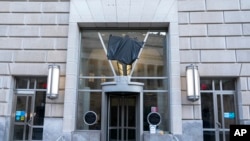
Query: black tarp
point(123, 49)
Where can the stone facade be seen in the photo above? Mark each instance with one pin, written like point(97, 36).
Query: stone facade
point(214, 34)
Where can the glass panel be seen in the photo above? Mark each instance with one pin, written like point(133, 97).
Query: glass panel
point(206, 84)
point(39, 108)
point(131, 113)
point(18, 132)
point(229, 110)
point(37, 134)
point(114, 111)
point(227, 134)
point(92, 83)
point(113, 134)
point(207, 110)
point(228, 84)
point(94, 60)
point(220, 112)
point(209, 136)
point(21, 109)
point(221, 135)
point(32, 83)
point(158, 100)
point(42, 83)
point(131, 134)
point(217, 84)
point(22, 83)
point(88, 101)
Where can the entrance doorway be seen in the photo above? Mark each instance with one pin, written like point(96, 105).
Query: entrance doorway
point(122, 124)
point(218, 111)
point(28, 109)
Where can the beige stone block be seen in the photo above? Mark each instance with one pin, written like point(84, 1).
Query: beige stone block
point(208, 43)
point(19, 30)
point(183, 17)
point(193, 30)
point(187, 112)
point(184, 43)
point(245, 112)
point(25, 6)
point(206, 17)
point(243, 55)
point(224, 29)
point(55, 7)
point(10, 43)
point(4, 69)
point(57, 110)
point(237, 16)
point(245, 96)
point(57, 56)
point(238, 42)
point(6, 56)
point(40, 18)
point(12, 18)
point(28, 69)
point(246, 29)
point(222, 5)
point(191, 5)
point(218, 56)
point(4, 6)
point(38, 43)
point(57, 31)
point(191, 56)
point(245, 4)
point(3, 30)
point(29, 56)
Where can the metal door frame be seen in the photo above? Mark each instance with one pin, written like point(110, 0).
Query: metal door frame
point(220, 127)
point(29, 123)
point(123, 97)
point(26, 123)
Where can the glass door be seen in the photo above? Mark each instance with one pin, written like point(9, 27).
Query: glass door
point(122, 118)
point(29, 116)
point(218, 112)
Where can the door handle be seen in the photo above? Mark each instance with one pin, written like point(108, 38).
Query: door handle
point(218, 124)
point(29, 122)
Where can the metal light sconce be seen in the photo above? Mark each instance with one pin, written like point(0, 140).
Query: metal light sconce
point(193, 82)
point(53, 81)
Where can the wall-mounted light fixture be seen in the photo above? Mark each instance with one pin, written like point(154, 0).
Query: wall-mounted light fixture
point(193, 82)
point(53, 81)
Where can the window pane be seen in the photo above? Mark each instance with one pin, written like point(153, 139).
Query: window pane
point(88, 101)
point(22, 83)
point(206, 84)
point(158, 100)
point(228, 84)
point(207, 110)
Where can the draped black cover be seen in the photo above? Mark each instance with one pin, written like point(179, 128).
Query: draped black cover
point(123, 49)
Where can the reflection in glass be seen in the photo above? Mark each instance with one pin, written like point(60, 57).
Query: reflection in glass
point(94, 59)
point(228, 84)
point(209, 136)
point(206, 84)
point(229, 109)
point(207, 110)
point(155, 100)
point(88, 101)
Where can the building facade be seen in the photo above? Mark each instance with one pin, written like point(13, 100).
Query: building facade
point(212, 34)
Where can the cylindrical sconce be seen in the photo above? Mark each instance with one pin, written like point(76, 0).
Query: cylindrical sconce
point(193, 82)
point(53, 81)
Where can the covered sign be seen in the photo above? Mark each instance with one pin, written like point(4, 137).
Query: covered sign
point(123, 49)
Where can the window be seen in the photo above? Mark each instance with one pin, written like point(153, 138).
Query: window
point(218, 104)
point(94, 69)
